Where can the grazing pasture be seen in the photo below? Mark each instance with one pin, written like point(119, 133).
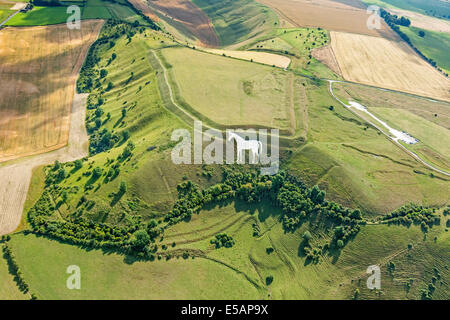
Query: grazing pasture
point(434, 45)
point(387, 64)
point(38, 70)
point(106, 276)
point(229, 91)
point(344, 16)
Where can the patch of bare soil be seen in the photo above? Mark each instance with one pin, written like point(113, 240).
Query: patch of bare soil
point(326, 56)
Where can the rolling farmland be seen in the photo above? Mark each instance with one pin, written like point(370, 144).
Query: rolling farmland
point(192, 21)
point(387, 64)
point(345, 16)
point(38, 70)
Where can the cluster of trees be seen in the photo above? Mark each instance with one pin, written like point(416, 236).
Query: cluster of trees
point(14, 268)
point(393, 21)
point(46, 3)
point(111, 31)
point(102, 140)
point(79, 231)
point(296, 201)
point(427, 294)
point(412, 214)
point(223, 240)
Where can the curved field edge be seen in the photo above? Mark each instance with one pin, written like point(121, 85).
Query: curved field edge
point(108, 276)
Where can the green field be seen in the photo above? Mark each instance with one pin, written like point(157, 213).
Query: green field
point(429, 123)
point(8, 288)
point(129, 180)
point(40, 16)
point(5, 13)
point(434, 45)
point(92, 9)
point(109, 276)
point(236, 21)
point(245, 91)
point(240, 272)
point(297, 44)
point(434, 140)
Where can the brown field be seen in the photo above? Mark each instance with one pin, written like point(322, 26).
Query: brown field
point(387, 64)
point(142, 6)
point(186, 15)
point(326, 56)
point(38, 71)
point(424, 22)
point(343, 15)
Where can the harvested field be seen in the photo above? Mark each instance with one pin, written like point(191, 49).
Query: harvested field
point(327, 57)
point(260, 57)
point(186, 17)
point(345, 16)
point(38, 70)
point(15, 177)
point(424, 22)
point(387, 64)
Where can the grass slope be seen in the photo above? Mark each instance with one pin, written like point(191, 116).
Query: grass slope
point(238, 20)
point(8, 287)
point(108, 276)
point(434, 45)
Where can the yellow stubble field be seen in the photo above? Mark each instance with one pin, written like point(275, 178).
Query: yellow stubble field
point(38, 72)
point(387, 64)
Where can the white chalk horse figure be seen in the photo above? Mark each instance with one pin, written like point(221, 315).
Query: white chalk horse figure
point(254, 146)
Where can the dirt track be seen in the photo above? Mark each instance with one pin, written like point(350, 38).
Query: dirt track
point(15, 177)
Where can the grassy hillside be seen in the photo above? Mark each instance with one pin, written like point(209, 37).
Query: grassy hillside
point(142, 227)
point(8, 287)
point(252, 94)
point(5, 13)
point(298, 44)
point(434, 45)
point(238, 20)
point(109, 276)
point(261, 250)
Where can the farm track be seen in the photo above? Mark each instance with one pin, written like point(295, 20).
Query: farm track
point(403, 148)
point(16, 177)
